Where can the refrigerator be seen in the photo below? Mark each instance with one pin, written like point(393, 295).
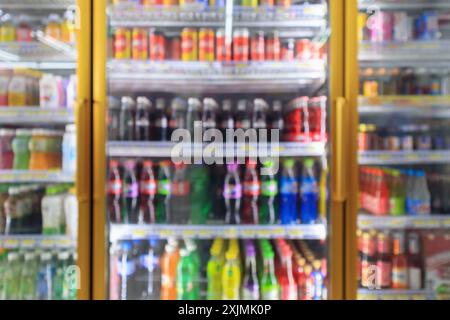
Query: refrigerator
point(45, 149)
point(202, 217)
point(398, 53)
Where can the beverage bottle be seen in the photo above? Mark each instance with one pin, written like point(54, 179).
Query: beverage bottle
point(226, 120)
point(151, 271)
point(399, 264)
point(252, 190)
point(70, 289)
point(201, 204)
point(319, 281)
point(12, 277)
point(45, 276)
point(288, 286)
point(191, 246)
point(114, 192)
point(308, 193)
point(160, 123)
point(126, 270)
point(232, 194)
point(177, 119)
point(215, 269)
point(414, 262)
point(114, 279)
point(27, 290)
point(269, 191)
point(186, 277)
point(142, 126)
point(242, 118)
point(147, 189)
point(250, 285)
point(194, 115)
point(384, 261)
point(209, 118)
point(127, 120)
point(270, 289)
point(231, 275)
point(288, 193)
point(368, 260)
point(410, 181)
point(180, 208)
point(7, 29)
point(169, 263)
point(420, 198)
point(59, 277)
point(163, 193)
point(397, 194)
point(276, 121)
point(130, 193)
point(114, 118)
point(259, 120)
point(301, 277)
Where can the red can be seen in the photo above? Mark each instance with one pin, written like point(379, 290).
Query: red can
point(287, 51)
point(223, 46)
point(122, 43)
point(258, 46)
point(303, 49)
point(296, 120)
point(157, 44)
point(273, 47)
point(206, 44)
point(317, 111)
point(241, 45)
point(284, 3)
point(175, 49)
point(139, 44)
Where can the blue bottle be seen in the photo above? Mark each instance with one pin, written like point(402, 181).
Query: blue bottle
point(309, 194)
point(288, 193)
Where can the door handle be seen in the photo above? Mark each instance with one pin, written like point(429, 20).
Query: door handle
point(341, 154)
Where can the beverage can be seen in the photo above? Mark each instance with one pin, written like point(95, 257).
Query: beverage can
point(122, 43)
point(189, 50)
point(402, 27)
point(206, 44)
point(241, 45)
point(303, 49)
point(273, 47)
point(258, 46)
point(175, 49)
point(139, 44)
point(223, 46)
point(381, 26)
point(157, 44)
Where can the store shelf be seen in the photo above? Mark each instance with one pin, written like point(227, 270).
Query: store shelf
point(404, 157)
point(313, 231)
point(304, 18)
point(165, 149)
point(36, 242)
point(36, 4)
point(366, 222)
point(372, 5)
point(409, 106)
point(35, 115)
point(405, 54)
point(368, 294)
point(206, 77)
point(25, 176)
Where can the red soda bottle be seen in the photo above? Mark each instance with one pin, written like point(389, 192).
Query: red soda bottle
point(114, 191)
point(289, 290)
point(147, 188)
point(251, 193)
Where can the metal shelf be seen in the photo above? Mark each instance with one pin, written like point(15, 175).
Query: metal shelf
point(26, 176)
point(35, 115)
point(405, 54)
point(366, 221)
point(371, 5)
point(164, 149)
point(36, 4)
point(36, 241)
point(375, 294)
point(404, 157)
point(308, 17)
point(204, 77)
point(410, 106)
point(313, 231)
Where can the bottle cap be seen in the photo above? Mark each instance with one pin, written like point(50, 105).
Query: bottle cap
point(148, 164)
point(216, 248)
point(289, 163)
point(126, 246)
point(184, 252)
point(309, 163)
point(113, 163)
point(13, 256)
point(232, 166)
point(129, 164)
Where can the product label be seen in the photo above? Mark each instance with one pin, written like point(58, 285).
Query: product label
point(163, 187)
point(397, 206)
point(288, 186)
point(115, 187)
point(308, 186)
point(289, 292)
point(399, 278)
point(384, 273)
point(270, 293)
point(252, 188)
point(417, 207)
point(250, 292)
point(180, 188)
point(269, 188)
point(415, 278)
point(148, 187)
point(131, 190)
point(232, 191)
point(126, 268)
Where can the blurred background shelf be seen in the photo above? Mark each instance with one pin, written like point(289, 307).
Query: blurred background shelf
point(403, 4)
point(368, 294)
point(35, 115)
point(36, 241)
point(366, 221)
point(404, 157)
point(36, 4)
point(164, 149)
point(42, 50)
point(312, 232)
point(21, 176)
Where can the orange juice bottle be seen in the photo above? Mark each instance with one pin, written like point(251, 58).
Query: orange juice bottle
point(68, 27)
point(53, 28)
point(169, 262)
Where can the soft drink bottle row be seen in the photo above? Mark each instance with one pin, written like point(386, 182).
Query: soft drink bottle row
point(404, 81)
point(38, 275)
point(197, 194)
point(27, 88)
point(207, 44)
point(20, 28)
point(38, 149)
point(401, 26)
point(303, 119)
point(390, 260)
point(205, 3)
point(231, 270)
point(37, 209)
point(426, 136)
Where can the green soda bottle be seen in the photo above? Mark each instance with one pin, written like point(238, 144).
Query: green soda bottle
point(28, 277)
point(71, 279)
point(191, 246)
point(12, 277)
point(2, 271)
point(214, 270)
point(397, 197)
point(201, 203)
point(186, 277)
point(21, 150)
point(60, 276)
point(269, 191)
point(270, 289)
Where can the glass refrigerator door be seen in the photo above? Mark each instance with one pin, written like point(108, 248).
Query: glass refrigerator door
point(191, 213)
point(38, 154)
point(404, 150)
